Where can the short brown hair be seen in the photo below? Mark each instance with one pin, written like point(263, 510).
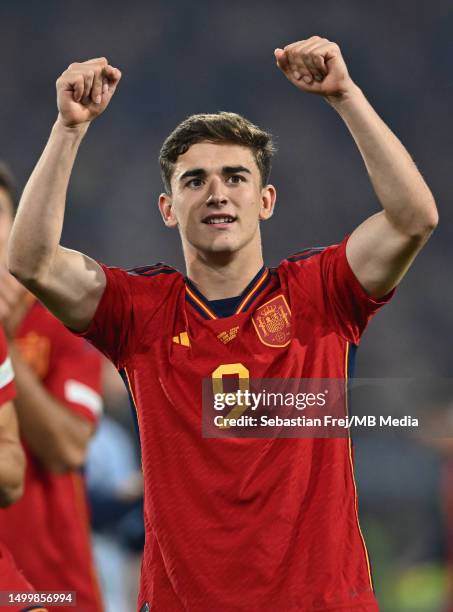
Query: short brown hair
point(219, 127)
point(8, 183)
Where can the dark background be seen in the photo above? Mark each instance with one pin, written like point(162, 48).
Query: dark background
point(179, 58)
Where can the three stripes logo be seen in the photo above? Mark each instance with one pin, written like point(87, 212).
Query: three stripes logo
point(182, 338)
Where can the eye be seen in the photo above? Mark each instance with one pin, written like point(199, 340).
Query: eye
point(235, 179)
point(194, 183)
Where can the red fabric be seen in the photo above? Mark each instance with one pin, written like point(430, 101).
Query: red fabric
point(240, 524)
point(11, 579)
point(7, 389)
point(47, 530)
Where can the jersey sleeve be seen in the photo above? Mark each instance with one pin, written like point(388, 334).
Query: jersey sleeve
point(7, 387)
point(129, 303)
point(75, 373)
point(325, 278)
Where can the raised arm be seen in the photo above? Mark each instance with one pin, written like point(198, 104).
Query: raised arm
point(383, 247)
point(69, 283)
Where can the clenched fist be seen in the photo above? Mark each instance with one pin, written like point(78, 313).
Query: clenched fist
point(85, 89)
point(316, 66)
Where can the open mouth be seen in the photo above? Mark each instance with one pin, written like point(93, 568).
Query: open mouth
point(219, 219)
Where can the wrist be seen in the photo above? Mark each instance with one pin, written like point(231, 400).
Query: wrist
point(346, 98)
point(77, 131)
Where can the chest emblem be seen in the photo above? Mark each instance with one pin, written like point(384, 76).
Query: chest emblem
point(228, 335)
point(35, 351)
point(272, 322)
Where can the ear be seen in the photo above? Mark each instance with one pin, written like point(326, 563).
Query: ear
point(166, 210)
point(268, 198)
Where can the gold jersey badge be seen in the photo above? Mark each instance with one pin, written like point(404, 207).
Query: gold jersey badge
point(272, 322)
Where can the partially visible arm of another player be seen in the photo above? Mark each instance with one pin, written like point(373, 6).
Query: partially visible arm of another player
point(12, 459)
point(383, 247)
point(55, 435)
point(69, 283)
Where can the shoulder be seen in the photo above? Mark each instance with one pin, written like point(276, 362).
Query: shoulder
point(313, 269)
point(160, 269)
point(307, 259)
point(146, 276)
point(306, 254)
point(140, 290)
point(141, 282)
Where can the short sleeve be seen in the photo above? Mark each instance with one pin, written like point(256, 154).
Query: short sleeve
point(75, 374)
point(327, 280)
point(111, 328)
point(7, 387)
point(129, 303)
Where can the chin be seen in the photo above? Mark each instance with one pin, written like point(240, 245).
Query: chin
point(226, 249)
point(218, 247)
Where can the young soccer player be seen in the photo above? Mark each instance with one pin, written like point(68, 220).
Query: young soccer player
point(232, 524)
point(58, 379)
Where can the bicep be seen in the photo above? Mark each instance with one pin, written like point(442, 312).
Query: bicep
point(380, 255)
point(72, 288)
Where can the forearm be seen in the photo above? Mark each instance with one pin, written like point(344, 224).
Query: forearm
point(12, 467)
point(400, 188)
point(57, 437)
point(38, 225)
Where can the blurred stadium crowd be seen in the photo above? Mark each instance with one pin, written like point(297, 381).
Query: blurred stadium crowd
point(178, 58)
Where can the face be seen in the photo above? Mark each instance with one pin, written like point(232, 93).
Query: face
point(6, 222)
point(217, 200)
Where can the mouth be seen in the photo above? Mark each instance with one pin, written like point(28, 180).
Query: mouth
point(219, 220)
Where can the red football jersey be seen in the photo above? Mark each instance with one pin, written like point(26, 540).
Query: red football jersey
point(11, 579)
point(240, 524)
point(47, 530)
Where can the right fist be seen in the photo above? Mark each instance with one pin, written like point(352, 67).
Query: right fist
point(84, 90)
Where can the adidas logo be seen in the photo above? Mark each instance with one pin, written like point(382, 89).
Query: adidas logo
point(183, 339)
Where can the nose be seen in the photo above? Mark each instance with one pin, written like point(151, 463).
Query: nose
point(217, 196)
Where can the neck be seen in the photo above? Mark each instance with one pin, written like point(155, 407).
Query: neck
point(223, 275)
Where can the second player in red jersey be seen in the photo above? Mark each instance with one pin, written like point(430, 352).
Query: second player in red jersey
point(58, 403)
point(54, 548)
point(12, 463)
point(232, 524)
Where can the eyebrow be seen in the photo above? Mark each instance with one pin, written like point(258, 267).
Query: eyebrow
point(226, 170)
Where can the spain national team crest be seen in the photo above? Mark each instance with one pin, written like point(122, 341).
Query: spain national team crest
point(272, 322)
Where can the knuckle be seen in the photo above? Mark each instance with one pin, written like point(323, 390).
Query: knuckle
point(97, 60)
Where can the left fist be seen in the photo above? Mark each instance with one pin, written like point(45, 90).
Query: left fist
point(316, 66)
